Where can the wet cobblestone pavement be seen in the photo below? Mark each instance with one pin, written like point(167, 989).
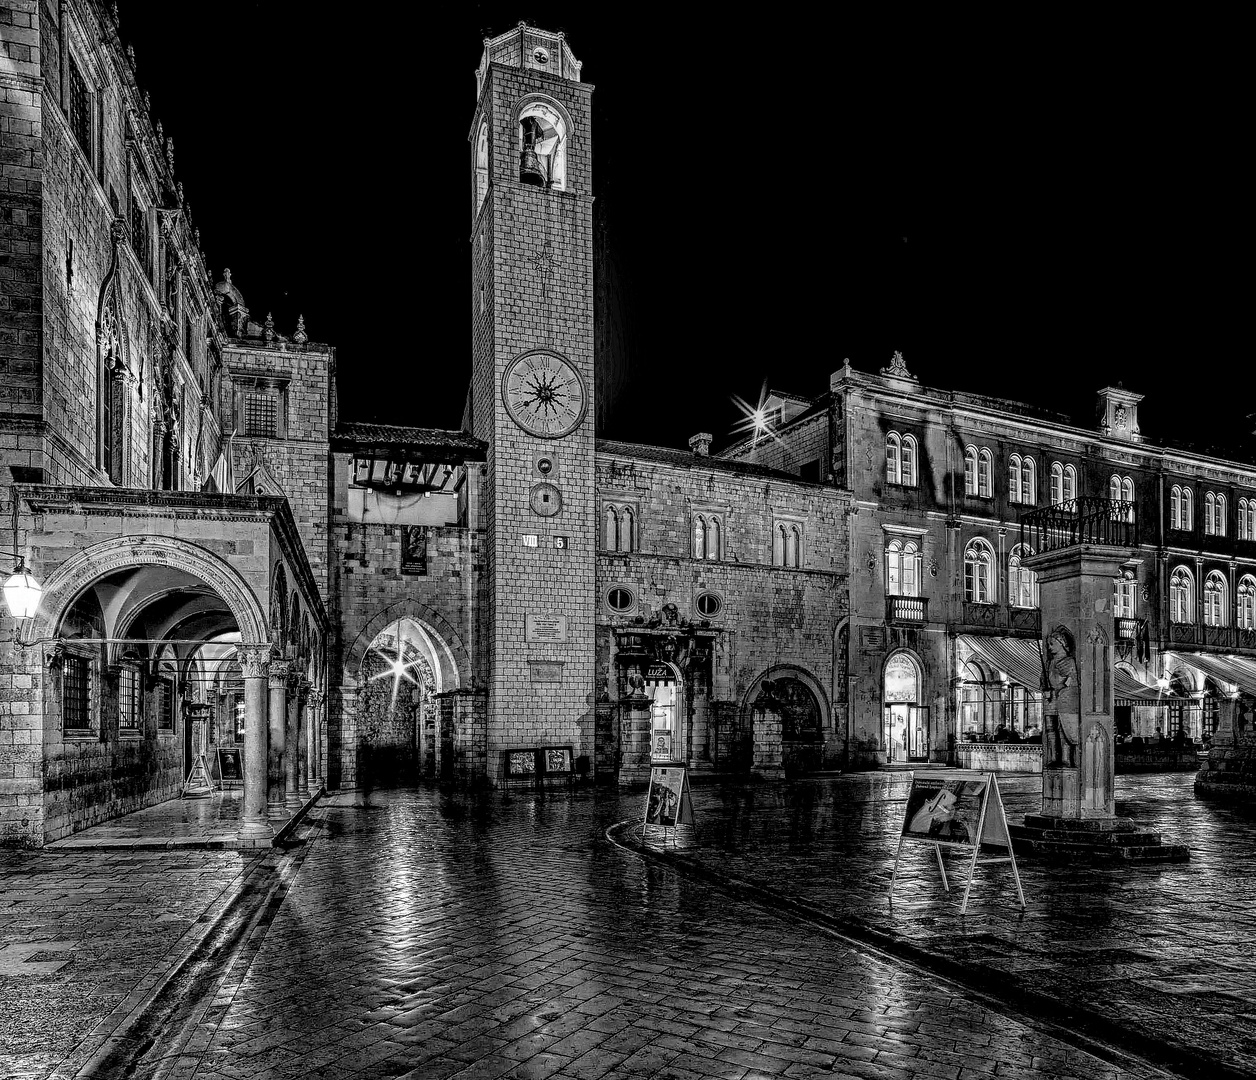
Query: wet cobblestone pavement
point(1165, 951)
point(431, 936)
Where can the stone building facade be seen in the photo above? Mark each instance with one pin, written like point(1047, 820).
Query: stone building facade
point(943, 655)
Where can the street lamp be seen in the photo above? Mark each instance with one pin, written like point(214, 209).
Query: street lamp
point(22, 591)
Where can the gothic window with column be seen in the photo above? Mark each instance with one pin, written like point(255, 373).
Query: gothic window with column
point(619, 527)
point(978, 559)
point(1245, 603)
point(1215, 597)
point(1182, 596)
point(708, 536)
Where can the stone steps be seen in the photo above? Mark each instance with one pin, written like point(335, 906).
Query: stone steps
point(1104, 840)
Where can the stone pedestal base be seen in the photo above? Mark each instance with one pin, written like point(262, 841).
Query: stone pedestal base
point(1061, 793)
point(1092, 839)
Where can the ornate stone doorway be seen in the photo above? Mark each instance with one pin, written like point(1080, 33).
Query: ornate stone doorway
point(905, 727)
point(397, 712)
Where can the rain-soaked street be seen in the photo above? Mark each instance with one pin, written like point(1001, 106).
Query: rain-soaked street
point(431, 935)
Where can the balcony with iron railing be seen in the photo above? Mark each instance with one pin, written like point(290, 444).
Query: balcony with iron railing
point(1219, 638)
point(1088, 520)
point(1000, 618)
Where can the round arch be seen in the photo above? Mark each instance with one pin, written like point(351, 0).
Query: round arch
point(68, 581)
point(790, 671)
point(455, 664)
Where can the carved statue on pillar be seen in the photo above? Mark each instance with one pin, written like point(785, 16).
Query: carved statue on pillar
point(1095, 793)
point(1063, 710)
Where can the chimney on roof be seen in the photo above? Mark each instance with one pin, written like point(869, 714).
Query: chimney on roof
point(700, 444)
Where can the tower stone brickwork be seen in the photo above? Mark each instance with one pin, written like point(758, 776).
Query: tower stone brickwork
point(532, 390)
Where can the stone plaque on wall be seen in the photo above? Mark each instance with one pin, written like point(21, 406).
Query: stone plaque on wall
point(545, 628)
point(545, 671)
point(872, 637)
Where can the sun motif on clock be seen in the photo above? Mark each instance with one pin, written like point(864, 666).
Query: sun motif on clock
point(544, 394)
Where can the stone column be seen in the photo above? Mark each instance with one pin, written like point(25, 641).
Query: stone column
point(303, 738)
point(320, 719)
point(1078, 773)
point(280, 671)
point(255, 662)
point(292, 747)
point(311, 741)
point(635, 713)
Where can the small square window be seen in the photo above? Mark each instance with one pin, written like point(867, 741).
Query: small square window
point(261, 414)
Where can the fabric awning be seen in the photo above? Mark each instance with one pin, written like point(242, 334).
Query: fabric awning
point(1020, 660)
point(1227, 669)
point(1128, 690)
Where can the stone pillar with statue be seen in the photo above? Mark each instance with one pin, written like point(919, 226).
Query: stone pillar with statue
point(1078, 814)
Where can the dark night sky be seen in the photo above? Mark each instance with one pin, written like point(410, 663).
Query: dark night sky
point(1030, 210)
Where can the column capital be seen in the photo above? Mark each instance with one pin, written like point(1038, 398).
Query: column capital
point(280, 673)
point(254, 659)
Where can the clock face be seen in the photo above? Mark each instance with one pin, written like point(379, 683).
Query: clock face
point(544, 394)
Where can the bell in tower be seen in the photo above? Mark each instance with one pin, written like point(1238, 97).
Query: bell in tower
point(530, 168)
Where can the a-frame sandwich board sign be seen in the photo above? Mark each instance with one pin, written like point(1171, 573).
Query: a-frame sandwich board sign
point(957, 808)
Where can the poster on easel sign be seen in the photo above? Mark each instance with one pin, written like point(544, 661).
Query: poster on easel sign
point(668, 805)
point(958, 809)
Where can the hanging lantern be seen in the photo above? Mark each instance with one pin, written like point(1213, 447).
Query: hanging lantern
point(22, 593)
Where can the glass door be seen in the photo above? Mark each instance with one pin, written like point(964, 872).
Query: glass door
point(917, 733)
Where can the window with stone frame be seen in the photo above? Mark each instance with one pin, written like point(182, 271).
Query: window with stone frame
point(1181, 508)
point(1022, 583)
point(902, 568)
point(79, 107)
point(1215, 599)
point(970, 470)
point(76, 694)
point(619, 526)
point(1214, 514)
point(1245, 603)
point(1125, 595)
point(141, 238)
point(1182, 596)
point(900, 459)
point(985, 474)
point(978, 583)
point(128, 700)
point(787, 541)
point(261, 413)
point(1247, 519)
point(165, 703)
point(708, 535)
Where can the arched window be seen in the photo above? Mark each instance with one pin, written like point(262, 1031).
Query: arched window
point(1114, 489)
point(1121, 490)
point(1029, 481)
point(627, 530)
point(610, 538)
point(1247, 519)
point(699, 537)
point(1070, 483)
point(1181, 596)
point(970, 470)
point(902, 568)
point(1124, 595)
point(543, 146)
point(793, 546)
point(1215, 597)
point(1014, 478)
point(909, 461)
point(1057, 483)
point(1214, 514)
point(978, 558)
point(1245, 603)
point(1022, 583)
point(985, 474)
point(481, 167)
point(1188, 509)
point(893, 458)
point(1175, 507)
point(713, 538)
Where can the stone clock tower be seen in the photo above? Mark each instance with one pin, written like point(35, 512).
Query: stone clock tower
point(532, 391)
